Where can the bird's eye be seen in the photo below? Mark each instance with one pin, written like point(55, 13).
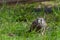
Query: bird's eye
point(41, 20)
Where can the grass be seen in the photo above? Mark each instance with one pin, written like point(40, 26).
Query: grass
point(8, 24)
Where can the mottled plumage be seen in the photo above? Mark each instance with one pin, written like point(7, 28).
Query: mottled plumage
point(39, 25)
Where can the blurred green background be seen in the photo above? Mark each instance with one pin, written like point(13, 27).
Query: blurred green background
point(17, 20)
